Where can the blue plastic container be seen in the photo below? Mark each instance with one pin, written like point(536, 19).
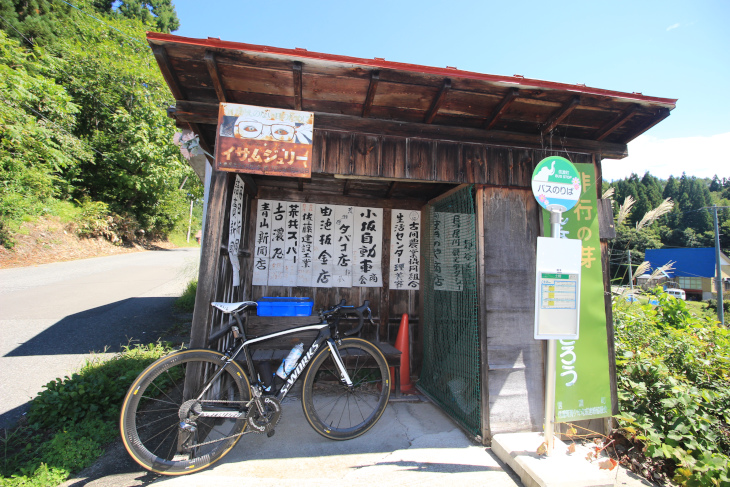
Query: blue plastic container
point(284, 306)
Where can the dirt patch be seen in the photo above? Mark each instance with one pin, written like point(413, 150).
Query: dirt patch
point(49, 240)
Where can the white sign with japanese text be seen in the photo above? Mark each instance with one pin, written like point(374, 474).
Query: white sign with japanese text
point(306, 245)
point(276, 251)
point(324, 227)
point(342, 246)
point(234, 229)
point(368, 250)
point(405, 249)
point(262, 243)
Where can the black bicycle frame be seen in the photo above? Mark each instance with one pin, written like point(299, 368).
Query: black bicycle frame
point(324, 336)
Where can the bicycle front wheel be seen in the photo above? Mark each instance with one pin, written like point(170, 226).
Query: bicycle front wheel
point(184, 412)
point(336, 410)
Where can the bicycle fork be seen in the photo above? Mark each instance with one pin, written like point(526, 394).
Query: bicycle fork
point(344, 376)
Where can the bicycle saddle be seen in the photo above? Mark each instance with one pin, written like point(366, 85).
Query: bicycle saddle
point(234, 307)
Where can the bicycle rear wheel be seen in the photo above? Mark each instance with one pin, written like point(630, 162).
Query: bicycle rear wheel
point(336, 410)
point(183, 413)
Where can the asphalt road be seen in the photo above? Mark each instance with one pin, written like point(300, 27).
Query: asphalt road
point(53, 316)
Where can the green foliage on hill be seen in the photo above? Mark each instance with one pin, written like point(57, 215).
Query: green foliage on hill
point(686, 225)
point(83, 112)
point(673, 370)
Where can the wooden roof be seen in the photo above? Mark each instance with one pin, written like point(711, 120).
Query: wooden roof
point(378, 96)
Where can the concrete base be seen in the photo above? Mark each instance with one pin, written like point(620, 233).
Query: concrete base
point(561, 469)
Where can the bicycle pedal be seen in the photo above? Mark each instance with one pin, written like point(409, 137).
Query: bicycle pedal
point(270, 433)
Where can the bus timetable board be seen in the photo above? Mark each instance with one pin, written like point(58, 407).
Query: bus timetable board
point(557, 293)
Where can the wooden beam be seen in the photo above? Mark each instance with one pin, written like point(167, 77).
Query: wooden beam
point(168, 73)
point(502, 108)
point(300, 184)
point(209, 255)
point(437, 102)
point(389, 192)
point(560, 115)
point(374, 78)
point(660, 115)
point(215, 76)
point(345, 187)
point(617, 121)
point(187, 111)
point(297, 70)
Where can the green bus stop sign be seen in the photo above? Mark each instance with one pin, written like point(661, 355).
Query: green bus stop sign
point(556, 184)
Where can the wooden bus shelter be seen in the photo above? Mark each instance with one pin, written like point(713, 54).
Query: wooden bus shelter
point(393, 136)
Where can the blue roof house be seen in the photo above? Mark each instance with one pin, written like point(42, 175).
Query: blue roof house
point(693, 269)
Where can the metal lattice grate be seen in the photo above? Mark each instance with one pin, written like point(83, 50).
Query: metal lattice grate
point(450, 374)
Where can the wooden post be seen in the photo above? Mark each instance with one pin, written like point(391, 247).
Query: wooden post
point(209, 258)
point(482, 293)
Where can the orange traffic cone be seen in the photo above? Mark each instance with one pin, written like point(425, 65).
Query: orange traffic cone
point(402, 344)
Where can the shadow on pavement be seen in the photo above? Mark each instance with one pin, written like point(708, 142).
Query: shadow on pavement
point(103, 329)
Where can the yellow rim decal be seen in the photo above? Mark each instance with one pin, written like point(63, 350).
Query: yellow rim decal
point(136, 390)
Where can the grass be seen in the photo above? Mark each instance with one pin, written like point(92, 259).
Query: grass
point(71, 421)
point(186, 302)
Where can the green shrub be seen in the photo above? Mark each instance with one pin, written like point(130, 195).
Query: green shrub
point(673, 373)
point(6, 236)
point(72, 419)
point(186, 302)
point(96, 391)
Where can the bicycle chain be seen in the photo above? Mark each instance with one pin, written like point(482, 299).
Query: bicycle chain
point(248, 403)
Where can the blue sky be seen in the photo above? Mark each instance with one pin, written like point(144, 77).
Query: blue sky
point(668, 49)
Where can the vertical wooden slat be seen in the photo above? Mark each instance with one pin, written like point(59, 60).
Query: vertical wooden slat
point(522, 167)
point(419, 164)
point(393, 155)
point(209, 257)
point(497, 166)
point(474, 163)
point(482, 293)
point(448, 168)
point(366, 155)
point(385, 266)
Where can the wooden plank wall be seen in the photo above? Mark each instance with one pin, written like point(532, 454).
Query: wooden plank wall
point(514, 359)
point(413, 158)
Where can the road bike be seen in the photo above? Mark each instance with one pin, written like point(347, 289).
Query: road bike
point(188, 409)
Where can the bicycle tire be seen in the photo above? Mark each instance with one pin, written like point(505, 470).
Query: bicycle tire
point(335, 410)
point(154, 409)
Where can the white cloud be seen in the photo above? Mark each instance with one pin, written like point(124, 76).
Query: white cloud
point(673, 26)
point(697, 156)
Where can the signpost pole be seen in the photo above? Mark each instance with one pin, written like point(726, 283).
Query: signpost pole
point(552, 346)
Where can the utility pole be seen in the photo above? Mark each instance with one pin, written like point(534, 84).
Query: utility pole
point(631, 275)
point(718, 275)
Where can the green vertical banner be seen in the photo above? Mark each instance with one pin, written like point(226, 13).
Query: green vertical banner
point(583, 388)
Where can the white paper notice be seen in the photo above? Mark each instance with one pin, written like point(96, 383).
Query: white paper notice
point(306, 245)
point(405, 249)
point(262, 244)
point(342, 246)
point(324, 228)
point(368, 249)
point(277, 275)
point(234, 229)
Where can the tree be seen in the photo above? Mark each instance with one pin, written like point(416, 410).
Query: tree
point(36, 124)
point(159, 13)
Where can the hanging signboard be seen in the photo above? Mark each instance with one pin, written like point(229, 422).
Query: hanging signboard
point(259, 140)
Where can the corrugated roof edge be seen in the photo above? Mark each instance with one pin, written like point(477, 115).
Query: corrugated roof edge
point(156, 37)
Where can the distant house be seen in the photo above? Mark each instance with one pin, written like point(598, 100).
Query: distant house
point(693, 270)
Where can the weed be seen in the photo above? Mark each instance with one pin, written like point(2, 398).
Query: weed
point(186, 302)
